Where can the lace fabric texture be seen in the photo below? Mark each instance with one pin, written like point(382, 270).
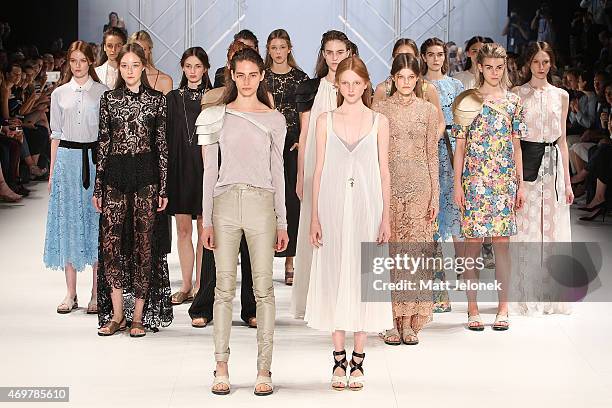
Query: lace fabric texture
point(131, 125)
point(132, 234)
point(413, 163)
point(449, 215)
point(545, 218)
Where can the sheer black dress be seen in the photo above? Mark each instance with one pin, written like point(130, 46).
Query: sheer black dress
point(283, 88)
point(131, 176)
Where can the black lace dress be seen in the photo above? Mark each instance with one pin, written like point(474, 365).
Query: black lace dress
point(283, 88)
point(185, 168)
point(131, 176)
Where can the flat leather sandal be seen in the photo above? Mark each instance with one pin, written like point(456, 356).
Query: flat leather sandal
point(137, 326)
point(113, 327)
point(220, 379)
point(501, 323)
point(475, 319)
point(263, 380)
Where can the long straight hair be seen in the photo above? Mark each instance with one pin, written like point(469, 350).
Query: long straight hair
point(112, 31)
point(86, 49)
point(433, 42)
point(135, 49)
point(530, 54)
point(405, 41)
point(321, 69)
point(200, 54)
point(231, 91)
point(280, 34)
point(355, 64)
point(493, 50)
point(407, 61)
point(143, 36)
point(474, 40)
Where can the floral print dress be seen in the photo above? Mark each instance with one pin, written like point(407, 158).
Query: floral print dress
point(489, 172)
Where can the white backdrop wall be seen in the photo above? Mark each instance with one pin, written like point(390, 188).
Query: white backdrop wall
point(178, 24)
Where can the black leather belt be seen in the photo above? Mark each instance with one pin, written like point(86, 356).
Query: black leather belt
point(84, 147)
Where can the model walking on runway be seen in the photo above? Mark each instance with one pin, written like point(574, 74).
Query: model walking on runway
point(283, 77)
point(201, 309)
point(435, 66)
point(350, 205)
point(72, 221)
point(314, 97)
point(130, 192)
point(545, 217)
point(413, 165)
point(185, 167)
point(488, 125)
point(245, 196)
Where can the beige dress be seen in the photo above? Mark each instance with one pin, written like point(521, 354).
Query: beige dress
point(413, 164)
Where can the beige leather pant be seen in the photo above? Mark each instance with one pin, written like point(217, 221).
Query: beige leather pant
point(246, 209)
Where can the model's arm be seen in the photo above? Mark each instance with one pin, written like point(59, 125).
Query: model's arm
point(460, 134)
point(304, 121)
point(569, 195)
point(103, 145)
point(278, 175)
point(433, 97)
point(384, 231)
point(162, 146)
point(316, 234)
point(433, 162)
point(56, 132)
point(518, 131)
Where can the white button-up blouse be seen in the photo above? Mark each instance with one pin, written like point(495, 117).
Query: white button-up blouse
point(75, 111)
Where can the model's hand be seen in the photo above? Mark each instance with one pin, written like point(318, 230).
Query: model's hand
point(569, 194)
point(163, 202)
point(97, 203)
point(459, 197)
point(208, 238)
point(520, 198)
point(294, 147)
point(432, 213)
point(282, 240)
point(316, 235)
point(384, 232)
point(299, 188)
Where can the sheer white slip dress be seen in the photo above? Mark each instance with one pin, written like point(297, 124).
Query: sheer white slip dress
point(545, 216)
point(350, 211)
point(325, 101)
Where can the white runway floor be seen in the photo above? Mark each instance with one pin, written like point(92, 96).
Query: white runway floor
point(549, 361)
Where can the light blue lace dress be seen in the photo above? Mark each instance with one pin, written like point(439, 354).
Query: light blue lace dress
point(449, 216)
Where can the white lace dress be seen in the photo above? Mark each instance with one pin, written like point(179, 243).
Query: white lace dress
point(545, 217)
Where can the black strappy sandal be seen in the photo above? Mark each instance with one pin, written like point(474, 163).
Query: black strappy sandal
point(343, 364)
point(360, 381)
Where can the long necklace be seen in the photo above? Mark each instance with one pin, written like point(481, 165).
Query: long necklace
point(190, 135)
